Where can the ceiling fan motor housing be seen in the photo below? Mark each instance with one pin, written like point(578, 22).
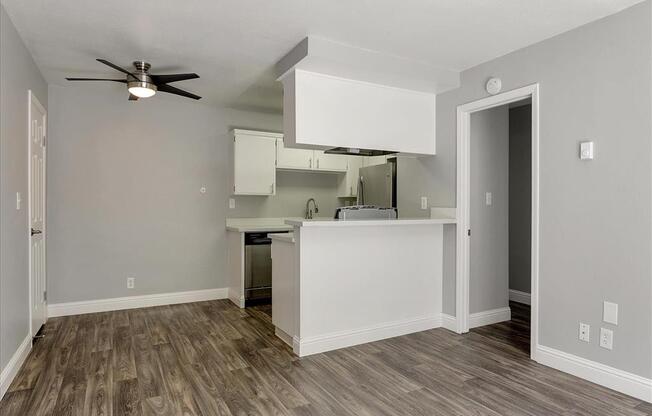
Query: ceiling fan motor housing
point(142, 78)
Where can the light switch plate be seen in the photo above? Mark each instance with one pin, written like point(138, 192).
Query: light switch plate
point(19, 200)
point(607, 338)
point(231, 203)
point(586, 151)
point(610, 313)
point(424, 202)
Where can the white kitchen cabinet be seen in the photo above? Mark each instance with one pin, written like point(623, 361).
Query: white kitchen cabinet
point(348, 183)
point(287, 158)
point(254, 162)
point(330, 163)
point(374, 160)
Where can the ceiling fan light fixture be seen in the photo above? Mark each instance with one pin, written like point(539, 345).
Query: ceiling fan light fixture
point(142, 89)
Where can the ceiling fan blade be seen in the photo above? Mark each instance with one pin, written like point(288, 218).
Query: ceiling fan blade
point(164, 79)
point(133, 97)
point(97, 79)
point(172, 90)
point(116, 67)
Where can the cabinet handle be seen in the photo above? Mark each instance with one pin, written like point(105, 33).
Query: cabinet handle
point(310, 163)
point(271, 187)
point(317, 163)
point(351, 191)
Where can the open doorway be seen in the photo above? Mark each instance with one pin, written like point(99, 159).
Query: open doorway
point(497, 244)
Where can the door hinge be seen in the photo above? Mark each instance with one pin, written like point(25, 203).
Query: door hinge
point(469, 232)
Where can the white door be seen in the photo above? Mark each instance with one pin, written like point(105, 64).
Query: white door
point(328, 162)
point(255, 165)
point(37, 280)
point(292, 158)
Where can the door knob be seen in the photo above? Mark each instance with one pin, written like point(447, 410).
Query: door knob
point(36, 232)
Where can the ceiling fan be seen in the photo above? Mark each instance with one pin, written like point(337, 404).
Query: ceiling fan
point(142, 84)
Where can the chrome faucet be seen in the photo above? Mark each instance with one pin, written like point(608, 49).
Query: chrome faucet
point(308, 210)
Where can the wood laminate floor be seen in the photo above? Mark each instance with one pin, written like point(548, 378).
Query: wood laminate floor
point(211, 358)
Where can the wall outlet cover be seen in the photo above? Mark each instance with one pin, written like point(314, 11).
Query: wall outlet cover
point(585, 332)
point(489, 198)
point(231, 203)
point(19, 199)
point(424, 202)
point(131, 282)
point(607, 338)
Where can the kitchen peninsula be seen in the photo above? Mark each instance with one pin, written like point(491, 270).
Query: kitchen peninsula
point(340, 283)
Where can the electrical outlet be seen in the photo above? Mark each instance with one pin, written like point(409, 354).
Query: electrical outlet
point(19, 200)
point(202, 190)
point(131, 281)
point(585, 332)
point(488, 199)
point(231, 203)
point(607, 338)
point(424, 202)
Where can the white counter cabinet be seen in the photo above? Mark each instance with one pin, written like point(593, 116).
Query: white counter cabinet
point(343, 283)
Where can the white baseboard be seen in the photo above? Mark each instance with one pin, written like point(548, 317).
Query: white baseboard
point(14, 364)
point(520, 297)
point(237, 299)
point(621, 381)
point(449, 322)
point(492, 316)
point(131, 302)
point(333, 341)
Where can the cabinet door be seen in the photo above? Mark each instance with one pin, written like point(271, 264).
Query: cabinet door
point(254, 165)
point(374, 160)
point(287, 158)
point(332, 163)
point(348, 183)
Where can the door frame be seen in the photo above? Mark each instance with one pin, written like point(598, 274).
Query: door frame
point(32, 99)
point(464, 212)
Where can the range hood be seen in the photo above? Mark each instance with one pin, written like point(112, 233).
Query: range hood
point(352, 151)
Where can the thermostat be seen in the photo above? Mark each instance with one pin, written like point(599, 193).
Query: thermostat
point(586, 150)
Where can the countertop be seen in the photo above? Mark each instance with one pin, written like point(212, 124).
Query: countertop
point(284, 237)
point(243, 225)
point(323, 222)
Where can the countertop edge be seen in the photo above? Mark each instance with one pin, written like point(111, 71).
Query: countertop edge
point(368, 223)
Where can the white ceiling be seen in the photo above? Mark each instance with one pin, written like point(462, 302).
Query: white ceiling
point(233, 45)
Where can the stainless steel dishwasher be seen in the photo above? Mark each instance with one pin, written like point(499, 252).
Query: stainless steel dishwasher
point(258, 268)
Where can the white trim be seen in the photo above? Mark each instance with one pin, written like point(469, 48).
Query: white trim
point(131, 302)
point(613, 378)
point(333, 341)
point(236, 298)
point(14, 364)
point(449, 322)
point(492, 316)
point(32, 99)
point(463, 204)
point(518, 296)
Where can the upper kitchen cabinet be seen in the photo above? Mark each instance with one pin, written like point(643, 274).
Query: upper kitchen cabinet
point(325, 111)
point(347, 185)
point(254, 162)
point(293, 158)
point(373, 160)
point(313, 160)
point(330, 163)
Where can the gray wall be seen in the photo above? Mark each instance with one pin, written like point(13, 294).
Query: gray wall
point(18, 74)
point(596, 228)
point(124, 194)
point(489, 150)
point(520, 197)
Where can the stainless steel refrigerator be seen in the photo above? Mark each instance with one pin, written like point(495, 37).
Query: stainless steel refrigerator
point(377, 185)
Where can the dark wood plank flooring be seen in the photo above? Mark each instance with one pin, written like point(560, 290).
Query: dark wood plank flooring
point(211, 358)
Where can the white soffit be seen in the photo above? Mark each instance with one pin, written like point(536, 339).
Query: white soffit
point(324, 56)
